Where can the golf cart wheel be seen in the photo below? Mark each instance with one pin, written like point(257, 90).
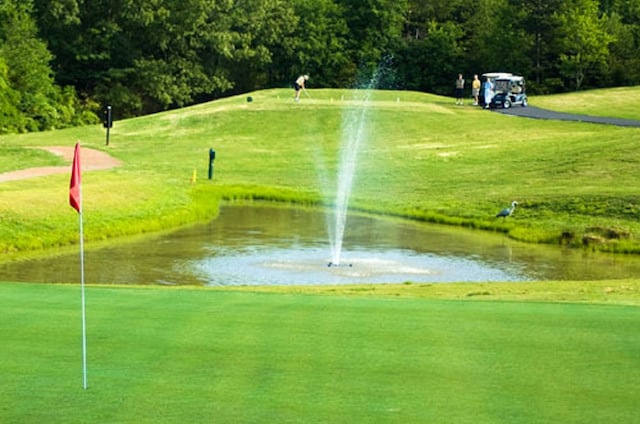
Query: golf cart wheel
point(524, 103)
point(506, 104)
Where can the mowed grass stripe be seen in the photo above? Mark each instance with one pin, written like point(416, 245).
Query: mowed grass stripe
point(189, 355)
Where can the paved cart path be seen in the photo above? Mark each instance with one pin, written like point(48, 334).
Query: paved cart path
point(538, 113)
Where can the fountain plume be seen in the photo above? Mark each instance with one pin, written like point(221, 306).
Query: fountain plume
point(354, 134)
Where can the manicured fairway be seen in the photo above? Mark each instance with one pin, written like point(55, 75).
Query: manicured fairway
point(197, 355)
point(422, 158)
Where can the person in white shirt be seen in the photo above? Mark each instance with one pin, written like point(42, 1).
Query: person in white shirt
point(299, 85)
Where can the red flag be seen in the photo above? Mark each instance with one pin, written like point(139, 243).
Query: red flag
point(75, 198)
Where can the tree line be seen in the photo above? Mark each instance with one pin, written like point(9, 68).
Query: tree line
point(61, 61)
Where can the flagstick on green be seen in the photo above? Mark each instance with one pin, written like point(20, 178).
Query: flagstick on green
point(75, 200)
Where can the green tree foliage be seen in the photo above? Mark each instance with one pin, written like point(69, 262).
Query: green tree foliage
point(541, 24)
point(436, 56)
point(143, 56)
point(585, 45)
point(269, 23)
point(11, 119)
point(32, 100)
point(624, 60)
point(317, 46)
point(496, 39)
point(433, 50)
point(375, 29)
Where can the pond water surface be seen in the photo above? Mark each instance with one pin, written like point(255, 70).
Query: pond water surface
point(274, 245)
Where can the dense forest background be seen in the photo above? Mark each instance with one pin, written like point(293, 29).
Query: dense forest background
point(61, 61)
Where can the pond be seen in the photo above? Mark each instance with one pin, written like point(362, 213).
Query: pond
point(275, 245)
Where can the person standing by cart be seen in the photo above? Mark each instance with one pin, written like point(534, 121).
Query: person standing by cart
point(475, 89)
point(488, 93)
point(459, 90)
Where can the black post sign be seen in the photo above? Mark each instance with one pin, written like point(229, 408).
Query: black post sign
point(212, 156)
point(108, 121)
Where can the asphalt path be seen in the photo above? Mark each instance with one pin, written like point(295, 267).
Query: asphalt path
point(538, 113)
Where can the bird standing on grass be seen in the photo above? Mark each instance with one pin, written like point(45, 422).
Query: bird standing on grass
point(508, 211)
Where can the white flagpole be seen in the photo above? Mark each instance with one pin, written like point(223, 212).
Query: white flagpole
point(75, 200)
point(84, 315)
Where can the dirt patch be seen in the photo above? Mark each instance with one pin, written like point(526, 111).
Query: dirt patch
point(91, 160)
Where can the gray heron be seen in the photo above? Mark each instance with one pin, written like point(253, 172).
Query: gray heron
point(508, 211)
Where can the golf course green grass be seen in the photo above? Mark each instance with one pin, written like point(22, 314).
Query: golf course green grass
point(536, 352)
point(619, 102)
point(168, 355)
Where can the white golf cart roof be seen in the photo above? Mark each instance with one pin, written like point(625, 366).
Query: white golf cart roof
point(496, 75)
point(513, 78)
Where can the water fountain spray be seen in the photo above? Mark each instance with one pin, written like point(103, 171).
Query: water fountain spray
point(354, 133)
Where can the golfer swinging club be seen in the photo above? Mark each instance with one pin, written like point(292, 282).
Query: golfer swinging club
point(299, 85)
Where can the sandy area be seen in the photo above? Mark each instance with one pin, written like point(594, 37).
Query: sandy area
point(91, 160)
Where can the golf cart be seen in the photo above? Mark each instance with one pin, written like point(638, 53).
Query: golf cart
point(509, 91)
point(492, 76)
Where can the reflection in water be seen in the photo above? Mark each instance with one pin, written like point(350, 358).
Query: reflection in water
point(267, 245)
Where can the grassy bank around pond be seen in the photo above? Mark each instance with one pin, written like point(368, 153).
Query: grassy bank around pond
point(422, 157)
point(615, 292)
point(167, 355)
